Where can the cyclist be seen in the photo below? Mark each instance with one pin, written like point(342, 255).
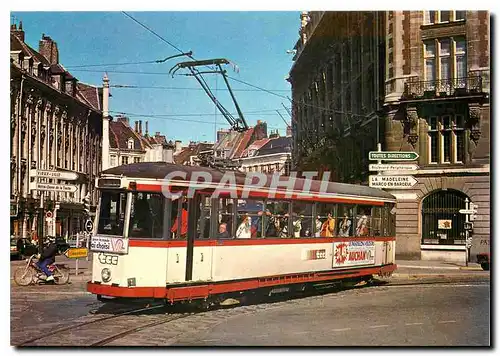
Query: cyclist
point(48, 257)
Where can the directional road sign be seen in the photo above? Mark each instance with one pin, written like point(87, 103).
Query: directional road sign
point(392, 156)
point(89, 225)
point(66, 188)
point(465, 211)
point(392, 182)
point(53, 174)
point(77, 253)
point(393, 167)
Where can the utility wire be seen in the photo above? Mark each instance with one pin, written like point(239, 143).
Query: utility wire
point(162, 117)
point(120, 86)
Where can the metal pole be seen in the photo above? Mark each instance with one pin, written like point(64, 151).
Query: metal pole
point(466, 234)
point(76, 262)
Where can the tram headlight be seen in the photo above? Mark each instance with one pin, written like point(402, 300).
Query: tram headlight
point(106, 275)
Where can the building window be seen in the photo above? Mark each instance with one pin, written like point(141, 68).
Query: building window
point(113, 161)
point(433, 17)
point(124, 160)
point(137, 159)
point(446, 139)
point(451, 50)
point(130, 144)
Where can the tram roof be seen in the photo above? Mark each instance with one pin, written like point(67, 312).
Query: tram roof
point(158, 170)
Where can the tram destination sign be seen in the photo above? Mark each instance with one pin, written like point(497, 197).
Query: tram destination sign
point(393, 167)
point(392, 156)
point(392, 182)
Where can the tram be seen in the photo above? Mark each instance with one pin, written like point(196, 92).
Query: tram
point(162, 232)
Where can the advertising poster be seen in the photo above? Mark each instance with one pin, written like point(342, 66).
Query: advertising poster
point(353, 253)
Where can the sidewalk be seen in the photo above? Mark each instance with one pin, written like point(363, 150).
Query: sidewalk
point(442, 265)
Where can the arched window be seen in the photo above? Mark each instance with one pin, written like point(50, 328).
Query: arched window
point(442, 223)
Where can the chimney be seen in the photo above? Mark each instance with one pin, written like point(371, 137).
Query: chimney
point(136, 126)
point(157, 133)
point(48, 49)
point(146, 128)
point(19, 33)
point(178, 146)
point(140, 127)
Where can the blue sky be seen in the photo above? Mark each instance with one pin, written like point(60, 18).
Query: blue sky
point(255, 41)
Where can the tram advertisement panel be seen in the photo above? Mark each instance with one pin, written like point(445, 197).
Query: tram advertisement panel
point(109, 244)
point(353, 253)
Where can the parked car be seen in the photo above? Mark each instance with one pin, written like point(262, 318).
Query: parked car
point(484, 260)
point(21, 247)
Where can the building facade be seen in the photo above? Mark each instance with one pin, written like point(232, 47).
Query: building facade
point(424, 88)
point(269, 155)
point(129, 145)
point(337, 91)
point(437, 104)
point(56, 125)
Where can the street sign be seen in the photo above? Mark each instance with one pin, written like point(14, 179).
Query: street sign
point(89, 225)
point(77, 252)
point(465, 211)
point(392, 182)
point(393, 167)
point(67, 188)
point(392, 156)
point(53, 174)
point(48, 214)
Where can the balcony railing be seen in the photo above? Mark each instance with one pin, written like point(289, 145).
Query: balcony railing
point(415, 89)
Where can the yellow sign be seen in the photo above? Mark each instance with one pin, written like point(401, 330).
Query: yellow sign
point(77, 252)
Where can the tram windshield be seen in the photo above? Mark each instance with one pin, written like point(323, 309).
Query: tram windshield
point(112, 213)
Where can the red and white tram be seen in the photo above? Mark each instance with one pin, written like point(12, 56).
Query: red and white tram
point(197, 245)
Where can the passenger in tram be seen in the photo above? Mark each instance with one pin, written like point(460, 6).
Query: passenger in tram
point(362, 227)
point(184, 223)
point(318, 226)
point(263, 222)
point(345, 226)
point(283, 226)
point(328, 227)
point(244, 230)
point(223, 233)
point(227, 218)
point(297, 225)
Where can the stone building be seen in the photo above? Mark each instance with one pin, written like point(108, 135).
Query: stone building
point(56, 125)
point(437, 104)
point(424, 88)
point(337, 91)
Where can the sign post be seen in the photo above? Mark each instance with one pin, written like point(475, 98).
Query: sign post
point(392, 182)
point(469, 211)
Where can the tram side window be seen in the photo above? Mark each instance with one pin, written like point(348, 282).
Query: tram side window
point(112, 213)
point(326, 222)
point(392, 220)
point(146, 215)
point(250, 218)
point(279, 219)
point(363, 220)
point(302, 219)
point(345, 220)
point(376, 224)
point(225, 213)
point(203, 228)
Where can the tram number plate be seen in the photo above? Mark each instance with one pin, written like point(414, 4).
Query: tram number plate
point(315, 254)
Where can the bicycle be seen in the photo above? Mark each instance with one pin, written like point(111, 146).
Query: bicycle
point(32, 274)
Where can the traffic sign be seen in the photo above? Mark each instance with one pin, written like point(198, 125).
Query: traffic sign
point(392, 182)
point(77, 252)
point(465, 211)
point(66, 188)
point(393, 167)
point(89, 225)
point(48, 214)
point(392, 156)
point(53, 174)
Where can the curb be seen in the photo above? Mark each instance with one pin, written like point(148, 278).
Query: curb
point(434, 275)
